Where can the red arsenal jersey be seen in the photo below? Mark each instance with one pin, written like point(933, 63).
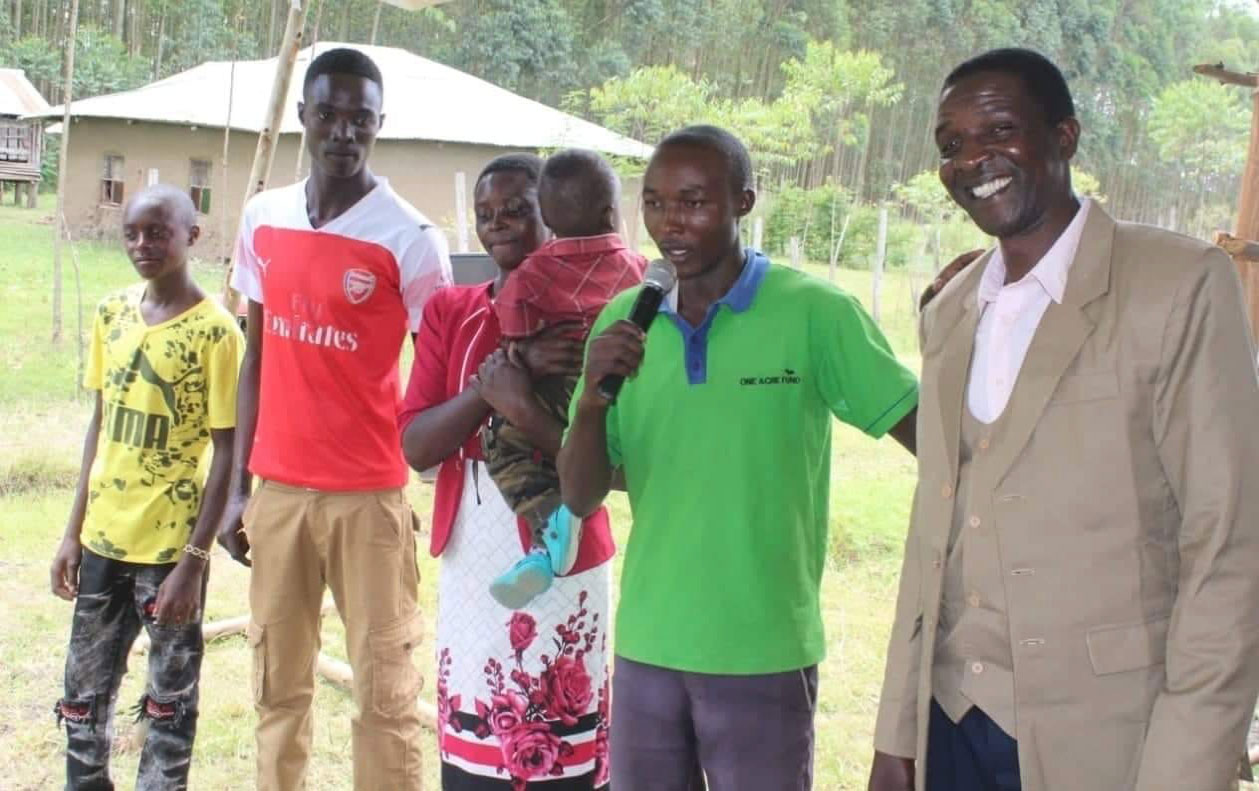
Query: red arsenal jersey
point(337, 303)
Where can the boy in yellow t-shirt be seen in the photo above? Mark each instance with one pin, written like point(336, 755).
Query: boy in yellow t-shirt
point(164, 361)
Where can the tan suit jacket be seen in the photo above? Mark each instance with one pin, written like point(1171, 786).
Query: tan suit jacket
point(1127, 511)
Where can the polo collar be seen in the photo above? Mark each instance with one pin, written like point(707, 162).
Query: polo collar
point(742, 292)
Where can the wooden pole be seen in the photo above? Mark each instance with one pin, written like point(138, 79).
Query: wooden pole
point(264, 155)
point(301, 140)
point(376, 21)
point(880, 254)
point(225, 243)
point(63, 168)
point(1242, 247)
point(1248, 206)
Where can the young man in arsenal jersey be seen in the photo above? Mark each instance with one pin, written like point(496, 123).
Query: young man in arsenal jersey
point(336, 269)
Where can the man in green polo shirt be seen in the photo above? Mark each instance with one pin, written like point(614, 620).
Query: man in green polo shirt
point(724, 438)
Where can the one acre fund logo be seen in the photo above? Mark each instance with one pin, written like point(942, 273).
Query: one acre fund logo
point(359, 285)
point(787, 377)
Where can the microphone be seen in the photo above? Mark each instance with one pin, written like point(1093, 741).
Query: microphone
point(658, 281)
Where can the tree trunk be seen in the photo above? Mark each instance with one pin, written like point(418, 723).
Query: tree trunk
point(59, 219)
point(119, 18)
point(380, 4)
point(17, 19)
point(161, 35)
point(345, 21)
point(860, 188)
point(136, 41)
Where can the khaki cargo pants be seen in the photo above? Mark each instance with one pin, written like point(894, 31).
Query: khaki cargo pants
point(361, 545)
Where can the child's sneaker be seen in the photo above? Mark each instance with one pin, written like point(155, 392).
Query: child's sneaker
point(522, 583)
point(562, 536)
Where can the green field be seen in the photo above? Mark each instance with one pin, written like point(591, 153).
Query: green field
point(41, 425)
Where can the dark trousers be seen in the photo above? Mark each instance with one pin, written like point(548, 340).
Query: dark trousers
point(115, 601)
point(971, 755)
point(672, 730)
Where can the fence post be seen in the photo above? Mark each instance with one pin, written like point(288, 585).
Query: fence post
point(880, 253)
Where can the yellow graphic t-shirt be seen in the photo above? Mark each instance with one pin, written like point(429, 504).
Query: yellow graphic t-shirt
point(163, 388)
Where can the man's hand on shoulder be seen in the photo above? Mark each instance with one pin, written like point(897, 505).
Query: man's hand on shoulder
point(231, 535)
point(891, 773)
point(949, 272)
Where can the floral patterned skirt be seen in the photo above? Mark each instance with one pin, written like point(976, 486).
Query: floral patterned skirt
point(522, 696)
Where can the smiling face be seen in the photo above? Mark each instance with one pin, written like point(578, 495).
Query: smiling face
point(692, 209)
point(508, 221)
point(157, 233)
point(1000, 159)
point(341, 114)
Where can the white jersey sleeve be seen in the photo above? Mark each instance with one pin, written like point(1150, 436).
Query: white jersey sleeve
point(247, 269)
point(424, 267)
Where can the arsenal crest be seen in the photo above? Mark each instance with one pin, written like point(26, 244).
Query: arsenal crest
point(359, 285)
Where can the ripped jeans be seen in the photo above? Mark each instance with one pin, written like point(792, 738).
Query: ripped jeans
point(115, 599)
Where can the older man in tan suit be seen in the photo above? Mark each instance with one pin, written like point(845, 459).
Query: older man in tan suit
point(1079, 603)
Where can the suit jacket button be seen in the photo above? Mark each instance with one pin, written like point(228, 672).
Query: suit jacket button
point(946, 491)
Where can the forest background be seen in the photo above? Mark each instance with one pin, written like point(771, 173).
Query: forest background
point(835, 97)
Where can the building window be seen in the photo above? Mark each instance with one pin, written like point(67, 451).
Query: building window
point(15, 144)
point(199, 185)
point(112, 180)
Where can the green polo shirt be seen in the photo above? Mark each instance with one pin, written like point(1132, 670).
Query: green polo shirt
point(725, 439)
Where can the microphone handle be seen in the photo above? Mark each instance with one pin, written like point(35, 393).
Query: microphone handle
point(646, 306)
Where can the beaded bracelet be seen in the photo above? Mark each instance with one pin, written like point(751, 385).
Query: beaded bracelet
point(196, 552)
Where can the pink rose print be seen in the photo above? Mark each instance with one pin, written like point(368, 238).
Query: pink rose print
point(525, 709)
point(567, 687)
point(507, 712)
point(521, 630)
point(531, 750)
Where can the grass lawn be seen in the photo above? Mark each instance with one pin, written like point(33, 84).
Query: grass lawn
point(41, 425)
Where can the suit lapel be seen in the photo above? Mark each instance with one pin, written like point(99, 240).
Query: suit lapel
point(1058, 339)
point(954, 370)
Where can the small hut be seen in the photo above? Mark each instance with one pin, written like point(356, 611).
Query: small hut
point(21, 141)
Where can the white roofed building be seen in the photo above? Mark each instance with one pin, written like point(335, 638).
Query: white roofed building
point(21, 138)
point(441, 126)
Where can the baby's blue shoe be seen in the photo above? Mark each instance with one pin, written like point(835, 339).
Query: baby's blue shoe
point(522, 583)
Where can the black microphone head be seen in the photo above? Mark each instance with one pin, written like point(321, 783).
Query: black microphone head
point(660, 275)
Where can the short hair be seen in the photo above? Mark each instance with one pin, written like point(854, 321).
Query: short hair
point(1043, 79)
point(343, 60)
point(577, 188)
point(176, 200)
point(528, 164)
point(714, 138)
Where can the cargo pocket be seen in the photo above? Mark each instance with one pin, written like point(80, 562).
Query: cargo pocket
point(395, 679)
point(255, 635)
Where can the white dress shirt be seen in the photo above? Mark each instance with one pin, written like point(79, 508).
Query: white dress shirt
point(1009, 316)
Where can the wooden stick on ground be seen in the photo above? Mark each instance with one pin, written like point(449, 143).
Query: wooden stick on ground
point(221, 628)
